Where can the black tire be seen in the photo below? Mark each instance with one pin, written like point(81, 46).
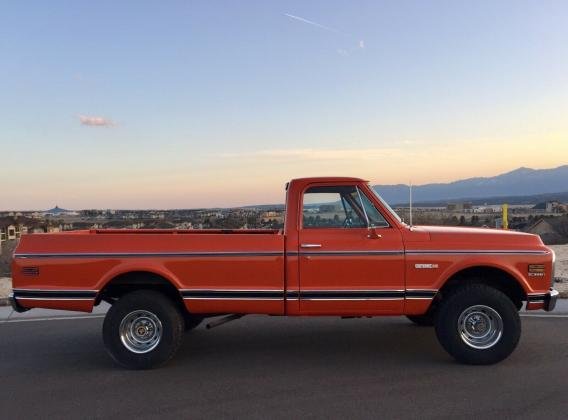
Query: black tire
point(496, 309)
point(135, 306)
point(426, 320)
point(191, 321)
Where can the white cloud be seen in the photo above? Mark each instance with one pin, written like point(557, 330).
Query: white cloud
point(94, 121)
point(362, 44)
point(342, 52)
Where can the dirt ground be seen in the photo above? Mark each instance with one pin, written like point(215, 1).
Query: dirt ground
point(561, 283)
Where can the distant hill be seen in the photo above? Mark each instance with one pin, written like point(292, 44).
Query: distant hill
point(561, 197)
point(519, 183)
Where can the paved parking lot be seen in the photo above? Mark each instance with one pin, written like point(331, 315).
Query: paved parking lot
point(272, 367)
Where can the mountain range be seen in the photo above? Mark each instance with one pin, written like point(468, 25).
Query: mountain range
point(520, 182)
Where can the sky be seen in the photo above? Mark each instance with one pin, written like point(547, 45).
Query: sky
point(145, 104)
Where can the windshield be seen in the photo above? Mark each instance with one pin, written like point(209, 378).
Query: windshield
point(385, 204)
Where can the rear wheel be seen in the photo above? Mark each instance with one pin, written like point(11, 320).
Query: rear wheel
point(143, 329)
point(478, 325)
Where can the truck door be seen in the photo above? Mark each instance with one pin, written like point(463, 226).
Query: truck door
point(351, 258)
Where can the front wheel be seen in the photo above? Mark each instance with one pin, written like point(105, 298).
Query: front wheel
point(143, 329)
point(478, 325)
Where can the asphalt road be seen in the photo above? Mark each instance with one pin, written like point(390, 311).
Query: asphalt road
point(272, 367)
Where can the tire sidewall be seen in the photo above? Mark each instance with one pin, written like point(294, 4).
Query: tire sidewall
point(447, 328)
point(163, 309)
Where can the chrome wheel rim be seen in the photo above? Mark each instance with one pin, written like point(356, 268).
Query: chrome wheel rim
point(480, 327)
point(140, 331)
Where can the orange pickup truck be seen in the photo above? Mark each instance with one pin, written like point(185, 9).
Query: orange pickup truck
point(343, 252)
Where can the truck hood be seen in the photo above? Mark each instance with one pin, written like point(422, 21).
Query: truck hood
point(471, 236)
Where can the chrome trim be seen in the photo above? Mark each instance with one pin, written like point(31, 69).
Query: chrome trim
point(53, 298)
point(140, 331)
point(51, 294)
point(329, 299)
point(57, 290)
point(349, 253)
point(550, 300)
point(480, 327)
point(234, 298)
point(272, 253)
point(233, 290)
point(151, 254)
point(363, 207)
point(475, 252)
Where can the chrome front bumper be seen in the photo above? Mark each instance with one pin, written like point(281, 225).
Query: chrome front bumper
point(550, 300)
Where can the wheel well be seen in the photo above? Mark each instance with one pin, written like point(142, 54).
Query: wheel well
point(139, 280)
point(490, 276)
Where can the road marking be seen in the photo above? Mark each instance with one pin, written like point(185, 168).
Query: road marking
point(59, 318)
point(545, 316)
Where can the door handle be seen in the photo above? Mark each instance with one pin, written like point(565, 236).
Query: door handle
point(310, 245)
point(374, 236)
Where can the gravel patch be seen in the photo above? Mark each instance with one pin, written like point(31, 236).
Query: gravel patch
point(5, 288)
point(561, 277)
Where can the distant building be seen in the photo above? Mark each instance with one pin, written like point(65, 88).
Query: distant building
point(10, 230)
point(551, 207)
point(465, 207)
point(552, 230)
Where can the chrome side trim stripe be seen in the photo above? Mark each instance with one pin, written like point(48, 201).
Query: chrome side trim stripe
point(232, 294)
point(52, 298)
point(351, 294)
point(420, 294)
point(475, 252)
point(152, 254)
point(338, 253)
point(55, 294)
point(239, 294)
point(349, 253)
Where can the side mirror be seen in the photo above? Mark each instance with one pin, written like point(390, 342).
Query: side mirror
point(373, 233)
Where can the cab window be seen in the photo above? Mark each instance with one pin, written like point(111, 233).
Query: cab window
point(376, 219)
point(333, 207)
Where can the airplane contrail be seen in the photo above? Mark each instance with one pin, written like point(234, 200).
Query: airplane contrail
point(309, 22)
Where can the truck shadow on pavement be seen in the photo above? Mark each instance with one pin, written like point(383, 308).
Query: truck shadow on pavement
point(317, 342)
point(252, 343)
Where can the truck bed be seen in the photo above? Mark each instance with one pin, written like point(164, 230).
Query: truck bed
point(193, 261)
